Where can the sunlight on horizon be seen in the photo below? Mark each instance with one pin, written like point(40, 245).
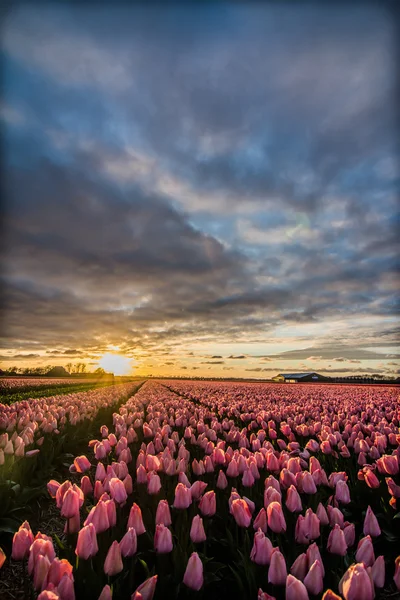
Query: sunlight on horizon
point(116, 363)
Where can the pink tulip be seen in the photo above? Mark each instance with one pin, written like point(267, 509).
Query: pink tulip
point(146, 590)
point(313, 555)
point(106, 593)
point(260, 522)
point(163, 539)
point(40, 572)
point(330, 595)
point(193, 577)
point(276, 519)
point(86, 485)
point(300, 567)
point(86, 546)
point(113, 563)
point(293, 500)
point(22, 541)
point(349, 531)
point(135, 519)
point(197, 533)
point(207, 505)
point(59, 568)
point(394, 489)
point(153, 483)
point(314, 580)
point(388, 464)
point(52, 487)
point(262, 549)
point(163, 514)
point(342, 492)
point(322, 514)
point(356, 584)
point(337, 541)
point(264, 596)
point(371, 525)
point(365, 551)
point(197, 489)
point(82, 464)
point(222, 482)
point(70, 503)
point(396, 576)
point(295, 589)
point(277, 572)
point(378, 572)
point(183, 497)
point(241, 512)
point(128, 544)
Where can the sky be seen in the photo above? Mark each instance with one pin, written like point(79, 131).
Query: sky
point(209, 190)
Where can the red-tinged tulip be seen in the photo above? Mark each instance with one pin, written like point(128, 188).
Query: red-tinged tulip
point(337, 542)
point(193, 577)
point(98, 490)
point(314, 580)
point(295, 589)
point(261, 550)
point(197, 533)
point(342, 492)
point(394, 489)
point(135, 519)
point(128, 484)
point(52, 487)
point(222, 482)
point(233, 469)
point(106, 593)
point(396, 576)
point(40, 572)
point(183, 496)
point(2, 557)
point(264, 596)
point(356, 584)
point(113, 563)
point(208, 504)
point(330, 595)
point(128, 544)
point(111, 512)
point(86, 485)
point(365, 551)
point(61, 491)
point(293, 500)
point(313, 555)
point(260, 522)
point(371, 479)
point(276, 518)
point(86, 546)
point(272, 482)
point(82, 464)
point(58, 569)
point(198, 488)
point(322, 514)
point(182, 478)
point(378, 572)
point(22, 541)
point(241, 512)
point(277, 571)
point(325, 447)
point(163, 539)
point(388, 464)
point(371, 525)
point(163, 514)
point(100, 472)
point(118, 491)
point(349, 531)
point(146, 590)
point(300, 567)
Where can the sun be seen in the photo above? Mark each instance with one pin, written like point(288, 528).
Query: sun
point(116, 363)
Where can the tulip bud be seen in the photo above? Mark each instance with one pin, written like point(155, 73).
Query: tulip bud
point(135, 519)
point(197, 533)
point(262, 549)
point(371, 525)
point(128, 544)
point(113, 563)
point(193, 576)
point(295, 589)
point(86, 546)
point(356, 583)
point(146, 590)
point(241, 512)
point(314, 579)
point(277, 572)
point(106, 593)
point(337, 541)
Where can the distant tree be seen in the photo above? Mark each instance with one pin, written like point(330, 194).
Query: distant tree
point(99, 371)
point(83, 367)
point(68, 366)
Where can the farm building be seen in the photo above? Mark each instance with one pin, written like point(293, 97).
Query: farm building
point(299, 377)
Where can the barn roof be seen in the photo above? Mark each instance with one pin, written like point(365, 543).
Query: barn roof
point(297, 375)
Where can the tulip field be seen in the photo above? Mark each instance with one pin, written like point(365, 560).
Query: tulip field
point(209, 490)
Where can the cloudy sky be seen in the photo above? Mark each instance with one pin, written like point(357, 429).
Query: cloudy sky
point(209, 190)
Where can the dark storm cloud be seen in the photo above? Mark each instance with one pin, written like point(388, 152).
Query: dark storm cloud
point(352, 354)
point(198, 173)
point(240, 356)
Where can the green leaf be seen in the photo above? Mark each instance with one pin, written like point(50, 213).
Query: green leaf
point(58, 541)
point(9, 525)
point(397, 516)
point(144, 565)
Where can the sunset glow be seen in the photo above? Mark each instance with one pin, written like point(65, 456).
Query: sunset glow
point(116, 363)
